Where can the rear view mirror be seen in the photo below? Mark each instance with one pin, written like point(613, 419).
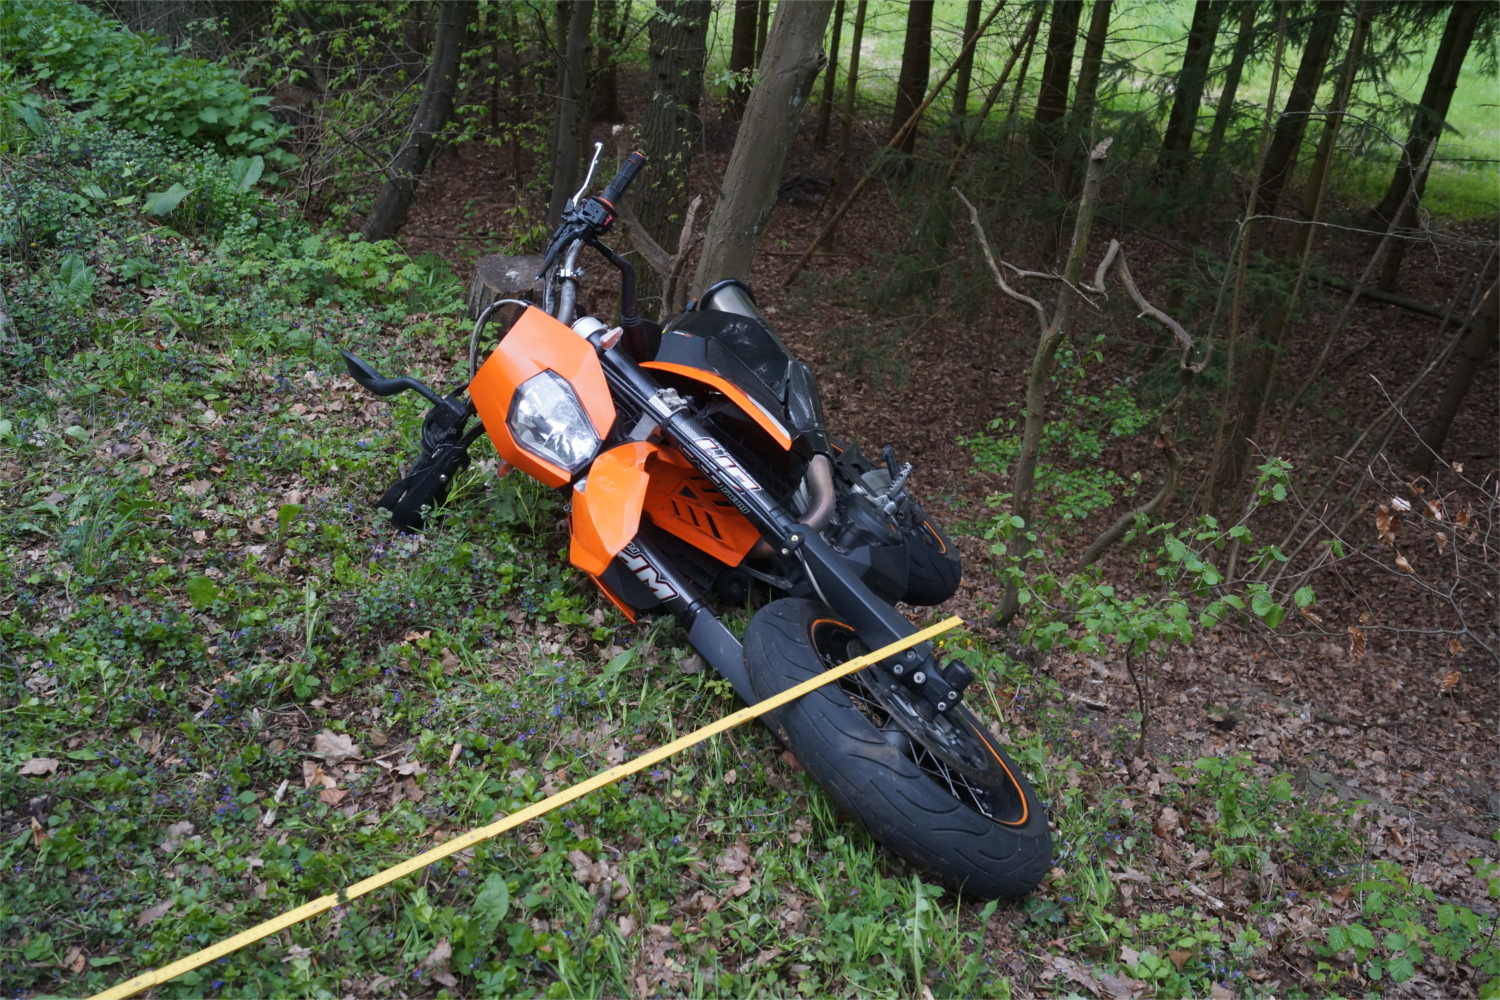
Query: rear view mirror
point(373, 381)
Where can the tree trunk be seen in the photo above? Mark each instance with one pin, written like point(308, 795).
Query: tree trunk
point(1177, 142)
point(388, 214)
point(846, 115)
point(1208, 171)
point(793, 57)
point(1427, 126)
point(1085, 96)
point(762, 25)
point(567, 137)
point(916, 66)
point(613, 18)
point(962, 81)
point(1281, 158)
point(971, 131)
point(742, 55)
point(517, 88)
point(1484, 329)
point(677, 51)
point(1033, 33)
point(1057, 75)
point(830, 75)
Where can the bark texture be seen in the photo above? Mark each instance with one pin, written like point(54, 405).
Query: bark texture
point(1177, 141)
point(1427, 126)
point(916, 66)
point(1085, 97)
point(1484, 329)
point(567, 138)
point(742, 54)
point(388, 214)
point(1286, 142)
point(964, 79)
point(677, 51)
point(793, 57)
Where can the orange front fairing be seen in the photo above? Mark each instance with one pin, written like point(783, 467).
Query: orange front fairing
point(684, 503)
point(607, 506)
point(768, 422)
point(538, 343)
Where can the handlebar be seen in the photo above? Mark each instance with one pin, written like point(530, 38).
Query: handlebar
point(617, 187)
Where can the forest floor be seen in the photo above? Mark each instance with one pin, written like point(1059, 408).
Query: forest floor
point(1303, 821)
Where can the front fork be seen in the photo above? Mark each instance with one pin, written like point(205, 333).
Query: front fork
point(878, 624)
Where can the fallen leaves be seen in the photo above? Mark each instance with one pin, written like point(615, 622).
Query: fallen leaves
point(38, 766)
point(154, 913)
point(437, 961)
point(737, 860)
point(334, 747)
point(177, 835)
point(1356, 641)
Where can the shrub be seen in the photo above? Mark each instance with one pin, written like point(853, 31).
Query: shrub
point(137, 82)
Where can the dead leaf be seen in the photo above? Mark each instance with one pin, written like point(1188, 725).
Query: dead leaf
point(1455, 647)
point(1400, 505)
point(75, 960)
point(436, 963)
point(296, 953)
point(334, 747)
point(378, 738)
point(333, 796)
point(1402, 564)
point(1340, 896)
point(692, 664)
point(197, 487)
point(769, 955)
point(458, 748)
point(177, 835)
point(790, 761)
point(313, 775)
point(154, 913)
point(1217, 992)
point(800, 829)
point(38, 765)
point(741, 885)
point(733, 775)
point(1178, 957)
point(1166, 823)
point(586, 869)
point(626, 925)
point(200, 536)
point(412, 790)
point(1450, 680)
point(736, 859)
point(1434, 511)
point(1356, 641)
point(1385, 524)
point(449, 661)
point(1120, 987)
point(38, 832)
point(1441, 539)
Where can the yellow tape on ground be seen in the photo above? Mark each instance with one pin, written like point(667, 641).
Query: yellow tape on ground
point(325, 903)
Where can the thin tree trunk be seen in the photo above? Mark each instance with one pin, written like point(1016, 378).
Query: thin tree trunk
point(964, 77)
point(1177, 141)
point(1286, 142)
point(1208, 172)
point(517, 84)
point(1427, 126)
point(793, 57)
point(567, 138)
point(677, 51)
point(1086, 93)
point(916, 66)
point(1039, 376)
point(1478, 343)
point(830, 75)
point(1015, 97)
point(972, 132)
point(742, 55)
point(388, 214)
point(606, 91)
point(762, 25)
point(846, 115)
point(1057, 75)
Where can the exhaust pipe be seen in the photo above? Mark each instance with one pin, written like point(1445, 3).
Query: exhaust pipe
point(819, 480)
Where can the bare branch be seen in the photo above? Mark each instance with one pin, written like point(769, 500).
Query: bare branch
point(984, 243)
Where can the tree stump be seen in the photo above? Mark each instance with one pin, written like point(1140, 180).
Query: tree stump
point(503, 278)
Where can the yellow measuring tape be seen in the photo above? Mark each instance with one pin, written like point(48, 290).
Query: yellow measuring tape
point(325, 903)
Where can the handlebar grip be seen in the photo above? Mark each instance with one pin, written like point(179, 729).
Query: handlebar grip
point(617, 187)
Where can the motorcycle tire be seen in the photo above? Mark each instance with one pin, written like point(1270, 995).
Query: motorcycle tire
point(933, 567)
point(893, 790)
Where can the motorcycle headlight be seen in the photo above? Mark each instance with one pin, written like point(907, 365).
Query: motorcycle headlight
point(547, 420)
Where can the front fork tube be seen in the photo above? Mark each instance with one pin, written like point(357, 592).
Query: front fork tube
point(680, 597)
point(876, 622)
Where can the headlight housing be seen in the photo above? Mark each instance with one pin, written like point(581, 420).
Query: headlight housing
point(547, 420)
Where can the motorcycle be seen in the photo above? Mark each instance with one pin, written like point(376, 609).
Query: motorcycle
point(699, 472)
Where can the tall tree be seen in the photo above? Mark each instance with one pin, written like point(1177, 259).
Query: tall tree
point(388, 214)
point(614, 21)
point(1427, 124)
point(762, 25)
point(1286, 142)
point(567, 122)
point(1057, 75)
point(1177, 141)
point(964, 78)
point(846, 114)
point(676, 51)
point(1085, 95)
point(793, 58)
point(742, 54)
point(1033, 32)
point(1481, 339)
point(916, 65)
point(830, 76)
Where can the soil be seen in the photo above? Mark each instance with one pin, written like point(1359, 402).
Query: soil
point(1408, 724)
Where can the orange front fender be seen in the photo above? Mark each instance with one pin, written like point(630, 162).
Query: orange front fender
point(607, 506)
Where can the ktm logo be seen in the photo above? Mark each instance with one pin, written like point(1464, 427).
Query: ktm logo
point(647, 573)
point(721, 458)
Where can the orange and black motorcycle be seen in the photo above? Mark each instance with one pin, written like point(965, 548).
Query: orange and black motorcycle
point(698, 470)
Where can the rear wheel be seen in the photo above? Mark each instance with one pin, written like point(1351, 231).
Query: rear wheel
point(941, 794)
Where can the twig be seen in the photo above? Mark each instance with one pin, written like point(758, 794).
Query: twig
point(984, 243)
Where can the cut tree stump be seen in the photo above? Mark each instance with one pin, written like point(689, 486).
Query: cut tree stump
point(503, 278)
